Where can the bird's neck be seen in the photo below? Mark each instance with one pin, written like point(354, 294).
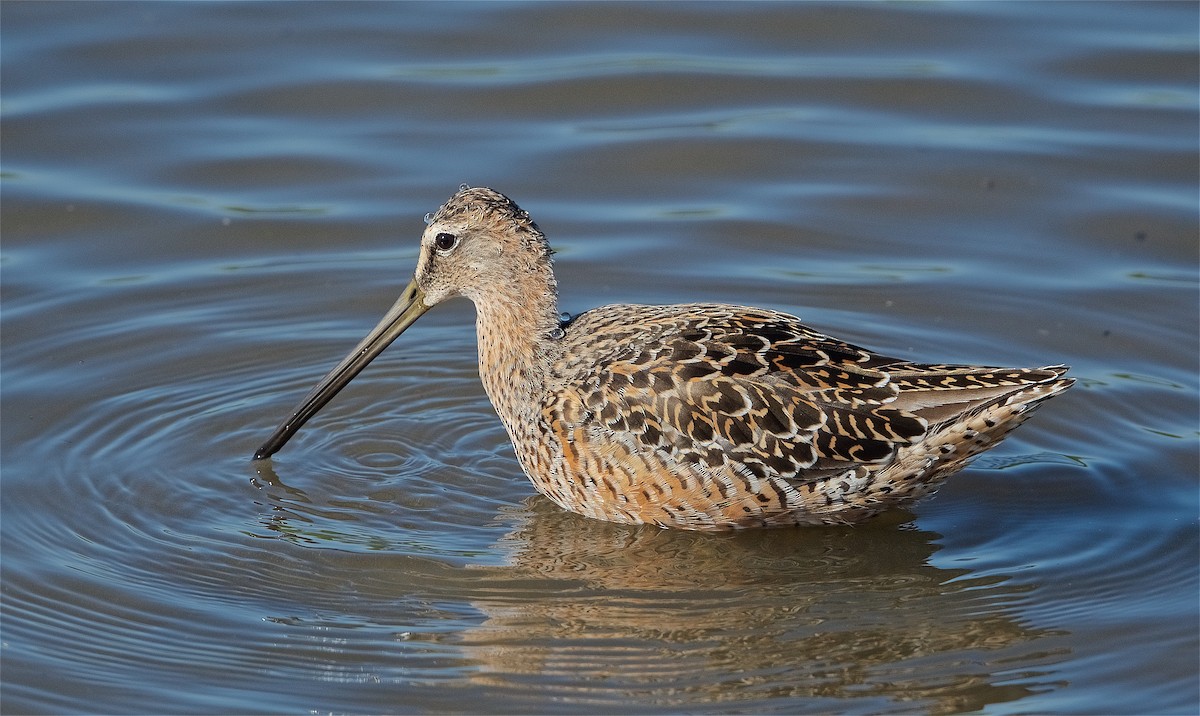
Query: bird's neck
point(518, 334)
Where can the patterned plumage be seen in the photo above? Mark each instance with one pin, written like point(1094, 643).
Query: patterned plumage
point(699, 416)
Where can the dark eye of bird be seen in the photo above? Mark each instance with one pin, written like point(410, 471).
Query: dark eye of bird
point(445, 241)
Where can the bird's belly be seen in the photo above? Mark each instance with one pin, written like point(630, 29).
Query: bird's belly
point(632, 484)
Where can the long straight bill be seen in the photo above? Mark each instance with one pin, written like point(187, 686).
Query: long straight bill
point(407, 309)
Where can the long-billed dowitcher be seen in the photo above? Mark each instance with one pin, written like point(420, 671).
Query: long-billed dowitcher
point(701, 416)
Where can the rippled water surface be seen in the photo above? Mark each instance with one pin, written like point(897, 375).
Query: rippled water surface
point(206, 205)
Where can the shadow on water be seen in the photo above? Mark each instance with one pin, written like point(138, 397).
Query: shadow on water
point(599, 615)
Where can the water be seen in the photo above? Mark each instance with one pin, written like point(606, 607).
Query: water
point(206, 205)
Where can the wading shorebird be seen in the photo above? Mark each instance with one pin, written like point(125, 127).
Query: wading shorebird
point(701, 416)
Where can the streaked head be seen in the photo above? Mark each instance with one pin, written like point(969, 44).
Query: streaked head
point(475, 245)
